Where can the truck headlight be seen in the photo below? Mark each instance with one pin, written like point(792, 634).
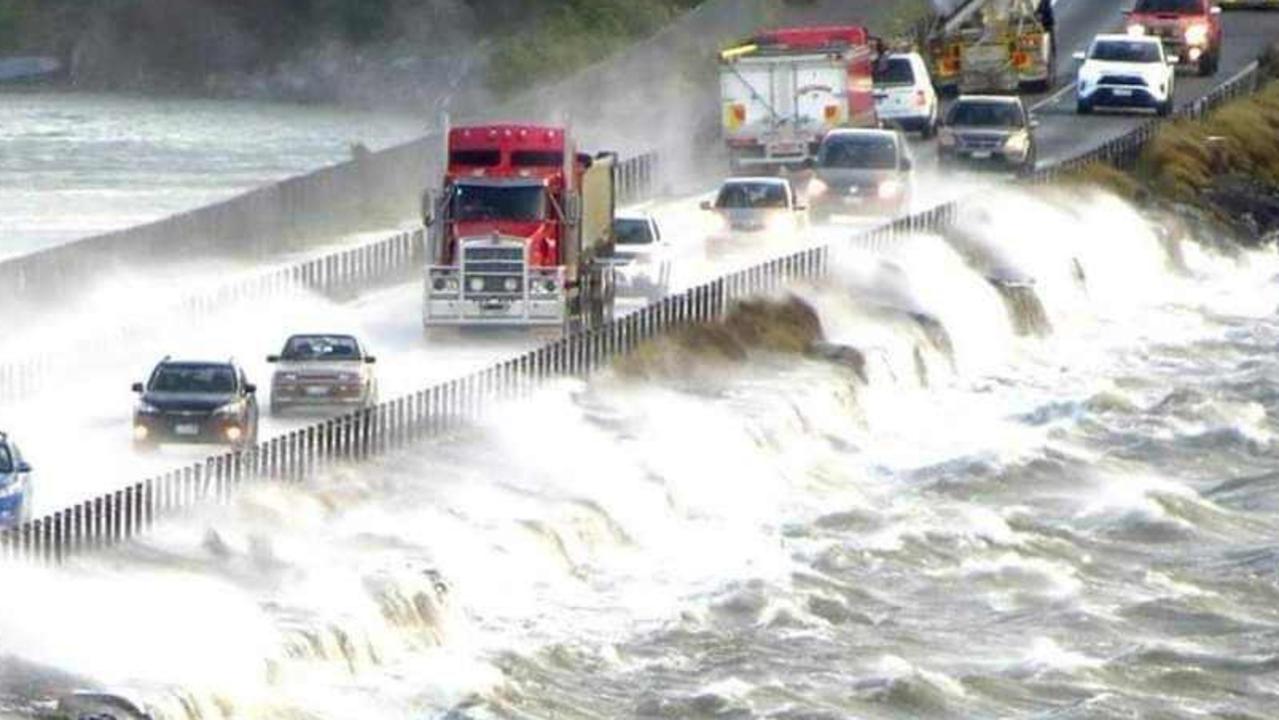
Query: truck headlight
point(228, 410)
point(286, 378)
point(817, 188)
point(1197, 34)
point(11, 488)
point(475, 284)
point(510, 285)
point(145, 408)
point(890, 189)
point(1136, 29)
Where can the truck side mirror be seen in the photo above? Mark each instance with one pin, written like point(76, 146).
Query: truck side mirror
point(810, 163)
point(273, 358)
point(428, 208)
point(706, 205)
point(250, 388)
point(23, 467)
point(137, 387)
point(369, 359)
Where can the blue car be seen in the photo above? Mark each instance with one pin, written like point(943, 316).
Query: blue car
point(15, 485)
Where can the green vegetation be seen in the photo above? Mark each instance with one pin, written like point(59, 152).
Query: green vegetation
point(557, 38)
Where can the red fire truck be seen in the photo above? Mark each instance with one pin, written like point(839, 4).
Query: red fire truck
point(782, 90)
point(521, 232)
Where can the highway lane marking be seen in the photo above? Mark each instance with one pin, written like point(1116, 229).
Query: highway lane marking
point(1053, 98)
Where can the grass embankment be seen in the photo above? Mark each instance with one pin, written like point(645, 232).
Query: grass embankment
point(789, 326)
point(1225, 165)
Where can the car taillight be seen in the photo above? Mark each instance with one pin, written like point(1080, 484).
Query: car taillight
point(920, 99)
point(1020, 59)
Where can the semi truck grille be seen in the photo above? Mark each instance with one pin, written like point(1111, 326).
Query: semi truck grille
point(493, 269)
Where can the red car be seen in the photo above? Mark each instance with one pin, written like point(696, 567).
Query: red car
point(1190, 30)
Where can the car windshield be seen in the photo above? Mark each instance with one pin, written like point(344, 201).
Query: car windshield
point(894, 71)
point(1133, 51)
point(192, 378)
point(751, 196)
point(632, 231)
point(1168, 6)
point(321, 347)
point(483, 202)
point(985, 114)
point(867, 152)
point(6, 460)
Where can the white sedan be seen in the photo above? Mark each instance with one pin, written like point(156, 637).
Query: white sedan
point(1125, 71)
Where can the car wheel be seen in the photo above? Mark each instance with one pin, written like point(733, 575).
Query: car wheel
point(929, 130)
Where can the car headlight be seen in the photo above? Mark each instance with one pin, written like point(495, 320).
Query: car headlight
point(146, 408)
point(778, 223)
point(1136, 29)
point(817, 188)
point(475, 284)
point(889, 189)
point(1197, 34)
point(1017, 143)
point(946, 137)
point(10, 487)
point(451, 285)
point(231, 408)
point(719, 224)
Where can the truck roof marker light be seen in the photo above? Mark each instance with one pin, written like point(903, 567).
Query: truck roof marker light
point(740, 50)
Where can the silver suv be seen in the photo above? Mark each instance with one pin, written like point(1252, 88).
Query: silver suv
point(988, 131)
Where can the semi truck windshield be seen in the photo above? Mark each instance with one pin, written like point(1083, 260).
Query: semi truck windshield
point(487, 202)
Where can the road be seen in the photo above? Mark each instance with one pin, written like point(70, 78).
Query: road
point(77, 432)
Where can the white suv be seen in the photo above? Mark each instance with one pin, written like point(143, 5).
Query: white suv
point(904, 94)
point(1125, 71)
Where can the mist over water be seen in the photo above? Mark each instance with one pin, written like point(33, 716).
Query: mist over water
point(76, 165)
point(994, 523)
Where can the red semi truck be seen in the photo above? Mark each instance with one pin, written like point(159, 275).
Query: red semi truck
point(521, 232)
point(784, 89)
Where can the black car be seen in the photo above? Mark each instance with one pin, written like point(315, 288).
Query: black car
point(196, 402)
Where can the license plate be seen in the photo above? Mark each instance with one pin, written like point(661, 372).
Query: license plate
point(317, 390)
point(186, 429)
point(1123, 93)
point(981, 154)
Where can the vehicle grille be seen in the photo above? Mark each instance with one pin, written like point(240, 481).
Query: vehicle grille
point(1121, 80)
point(494, 266)
point(981, 142)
